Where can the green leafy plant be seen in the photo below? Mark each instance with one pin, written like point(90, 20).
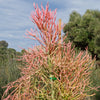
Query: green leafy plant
point(84, 31)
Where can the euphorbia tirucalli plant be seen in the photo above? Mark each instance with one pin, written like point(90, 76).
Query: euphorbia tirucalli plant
point(53, 70)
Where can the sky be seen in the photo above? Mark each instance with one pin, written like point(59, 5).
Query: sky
point(15, 17)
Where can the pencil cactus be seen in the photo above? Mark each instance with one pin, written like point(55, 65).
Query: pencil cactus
point(53, 70)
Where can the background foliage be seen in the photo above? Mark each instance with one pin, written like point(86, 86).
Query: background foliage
point(84, 31)
point(9, 66)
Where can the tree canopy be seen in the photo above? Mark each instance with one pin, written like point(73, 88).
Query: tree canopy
point(3, 44)
point(84, 31)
